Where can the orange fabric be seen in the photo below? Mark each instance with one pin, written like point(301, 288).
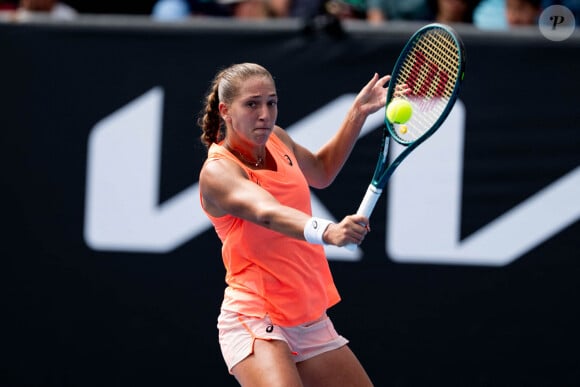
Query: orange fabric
point(267, 272)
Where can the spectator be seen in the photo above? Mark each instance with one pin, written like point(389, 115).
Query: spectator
point(346, 9)
point(296, 8)
point(379, 11)
point(53, 8)
point(245, 9)
point(522, 12)
point(490, 14)
point(503, 14)
point(453, 11)
point(175, 10)
point(171, 10)
point(260, 9)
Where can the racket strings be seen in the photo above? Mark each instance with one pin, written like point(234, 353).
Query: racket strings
point(439, 50)
point(431, 71)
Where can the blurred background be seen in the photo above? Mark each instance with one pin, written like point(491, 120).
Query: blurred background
point(112, 276)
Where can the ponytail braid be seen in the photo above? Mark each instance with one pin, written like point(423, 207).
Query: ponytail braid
point(211, 123)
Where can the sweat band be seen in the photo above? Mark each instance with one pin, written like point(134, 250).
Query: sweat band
point(314, 229)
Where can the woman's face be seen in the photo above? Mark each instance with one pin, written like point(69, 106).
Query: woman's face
point(251, 116)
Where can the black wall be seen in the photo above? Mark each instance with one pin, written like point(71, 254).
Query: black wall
point(75, 315)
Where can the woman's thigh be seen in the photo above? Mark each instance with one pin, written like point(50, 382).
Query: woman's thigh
point(270, 365)
point(339, 367)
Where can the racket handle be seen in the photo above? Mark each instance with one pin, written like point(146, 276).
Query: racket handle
point(366, 207)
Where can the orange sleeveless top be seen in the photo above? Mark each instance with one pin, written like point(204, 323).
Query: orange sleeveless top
point(267, 272)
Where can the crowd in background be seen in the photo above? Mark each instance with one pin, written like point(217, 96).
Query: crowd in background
point(486, 14)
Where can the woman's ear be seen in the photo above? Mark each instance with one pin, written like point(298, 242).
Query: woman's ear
point(223, 108)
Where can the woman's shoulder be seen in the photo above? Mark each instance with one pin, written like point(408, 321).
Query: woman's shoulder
point(284, 137)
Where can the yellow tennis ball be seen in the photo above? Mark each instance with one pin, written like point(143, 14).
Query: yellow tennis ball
point(399, 111)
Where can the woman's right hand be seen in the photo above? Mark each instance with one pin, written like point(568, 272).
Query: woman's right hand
point(352, 229)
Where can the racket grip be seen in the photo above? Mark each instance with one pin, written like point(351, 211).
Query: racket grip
point(366, 207)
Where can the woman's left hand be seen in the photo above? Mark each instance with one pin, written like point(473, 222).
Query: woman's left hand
point(373, 95)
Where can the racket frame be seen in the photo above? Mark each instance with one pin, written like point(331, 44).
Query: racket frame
point(381, 174)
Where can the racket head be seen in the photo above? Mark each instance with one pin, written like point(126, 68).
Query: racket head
point(432, 65)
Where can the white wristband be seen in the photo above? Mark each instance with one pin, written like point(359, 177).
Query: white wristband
point(314, 229)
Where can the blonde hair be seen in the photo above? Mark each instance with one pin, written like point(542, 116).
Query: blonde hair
point(224, 88)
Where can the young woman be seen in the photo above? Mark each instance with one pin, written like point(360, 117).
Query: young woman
point(273, 327)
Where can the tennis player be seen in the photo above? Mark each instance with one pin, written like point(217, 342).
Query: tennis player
point(273, 327)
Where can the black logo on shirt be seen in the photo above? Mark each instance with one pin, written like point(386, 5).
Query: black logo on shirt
point(289, 160)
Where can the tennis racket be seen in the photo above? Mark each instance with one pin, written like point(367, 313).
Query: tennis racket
point(432, 66)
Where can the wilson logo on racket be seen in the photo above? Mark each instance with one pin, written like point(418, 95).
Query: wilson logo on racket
point(426, 79)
